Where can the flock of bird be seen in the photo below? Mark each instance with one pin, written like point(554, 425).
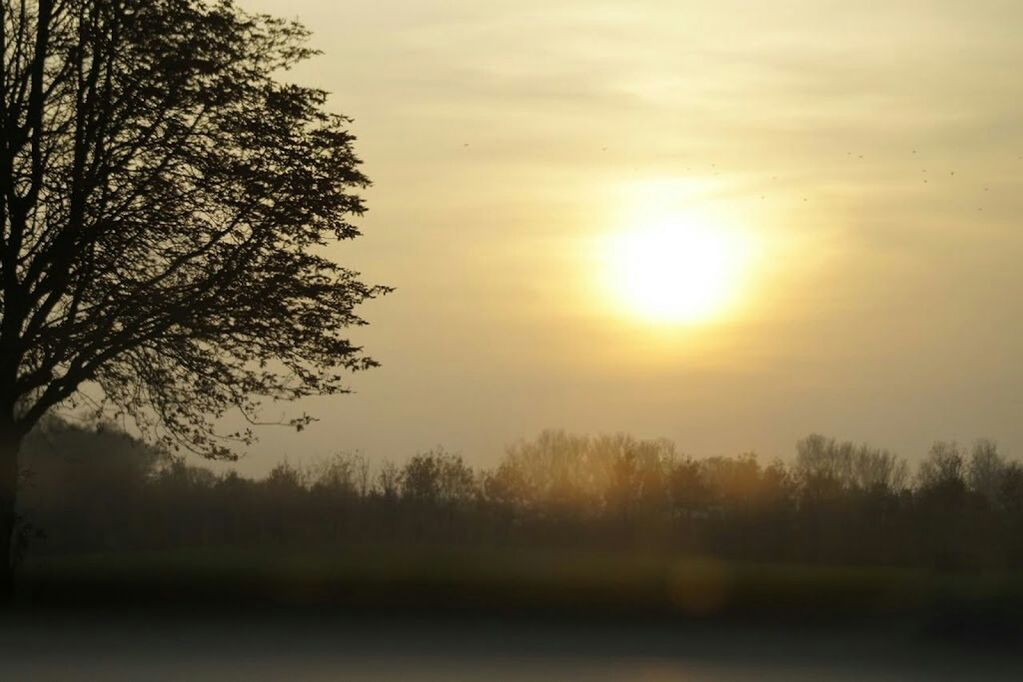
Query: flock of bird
point(923, 171)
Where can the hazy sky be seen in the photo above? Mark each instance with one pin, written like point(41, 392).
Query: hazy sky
point(506, 140)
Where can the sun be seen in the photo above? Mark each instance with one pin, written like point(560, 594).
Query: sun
point(676, 270)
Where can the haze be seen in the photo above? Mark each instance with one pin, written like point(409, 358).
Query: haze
point(870, 154)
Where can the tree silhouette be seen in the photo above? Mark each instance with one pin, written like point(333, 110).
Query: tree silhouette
point(164, 205)
point(95, 490)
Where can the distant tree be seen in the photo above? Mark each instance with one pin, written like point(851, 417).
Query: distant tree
point(941, 473)
point(1011, 489)
point(631, 480)
point(690, 493)
point(388, 483)
point(438, 478)
point(826, 463)
point(553, 471)
point(943, 522)
point(96, 470)
point(344, 475)
point(879, 471)
point(733, 480)
point(823, 469)
point(164, 208)
point(986, 470)
point(136, 496)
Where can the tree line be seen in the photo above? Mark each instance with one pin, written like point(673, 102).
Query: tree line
point(94, 488)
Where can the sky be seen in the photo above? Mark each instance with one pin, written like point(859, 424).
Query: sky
point(867, 157)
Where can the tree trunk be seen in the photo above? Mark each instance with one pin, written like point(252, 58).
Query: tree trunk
point(10, 444)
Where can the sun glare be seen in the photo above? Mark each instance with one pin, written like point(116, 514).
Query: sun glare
point(676, 270)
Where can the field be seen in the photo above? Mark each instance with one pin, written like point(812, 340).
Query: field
point(451, 579)
point(388, 612)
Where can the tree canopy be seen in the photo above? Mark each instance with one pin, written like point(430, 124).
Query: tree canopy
point(166, 206)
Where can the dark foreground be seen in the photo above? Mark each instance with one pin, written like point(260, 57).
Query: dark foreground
point(402, 613)
point(312, 646)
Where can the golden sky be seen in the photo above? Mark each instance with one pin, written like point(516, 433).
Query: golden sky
point(868, 154)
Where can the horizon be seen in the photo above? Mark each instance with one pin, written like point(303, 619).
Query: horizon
point(867, 156)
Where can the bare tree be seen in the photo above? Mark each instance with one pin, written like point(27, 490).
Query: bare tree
point(164, 206)
point(986, 470)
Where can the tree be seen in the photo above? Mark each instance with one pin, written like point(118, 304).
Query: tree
point(985, 471)
point(941, 472)
point(438, 478)
point(165, 204)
